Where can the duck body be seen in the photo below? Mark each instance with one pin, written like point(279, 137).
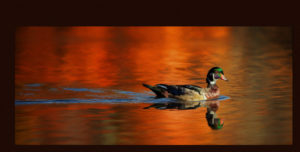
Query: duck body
point(184, 92)
point(191, 92)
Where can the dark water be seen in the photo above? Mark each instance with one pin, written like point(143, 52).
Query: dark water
point(82, 85)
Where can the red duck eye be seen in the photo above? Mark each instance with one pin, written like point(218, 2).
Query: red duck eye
point(218, 75)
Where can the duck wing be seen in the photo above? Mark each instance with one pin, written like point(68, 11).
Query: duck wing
point(191, 87)
point(178, 89)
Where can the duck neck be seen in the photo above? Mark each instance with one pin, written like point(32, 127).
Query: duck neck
point(212, 86)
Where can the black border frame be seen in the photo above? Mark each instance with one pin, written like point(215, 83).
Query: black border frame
point(59, 14)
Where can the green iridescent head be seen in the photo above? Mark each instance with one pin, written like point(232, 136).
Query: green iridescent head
point(218, 124)
point(214, 74)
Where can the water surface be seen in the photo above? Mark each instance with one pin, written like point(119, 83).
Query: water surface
point(82, 85)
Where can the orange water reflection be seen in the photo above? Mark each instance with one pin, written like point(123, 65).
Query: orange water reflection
point(117, 57)
point(112, 56)
point(123, 58)
point(84, 123)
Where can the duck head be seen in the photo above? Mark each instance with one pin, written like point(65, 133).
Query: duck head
point(211, 116)
point(217, 124)
point(214, 74)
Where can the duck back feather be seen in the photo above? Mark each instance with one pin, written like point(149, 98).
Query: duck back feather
point(164, 90)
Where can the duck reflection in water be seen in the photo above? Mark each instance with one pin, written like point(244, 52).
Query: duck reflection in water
point(211, 116)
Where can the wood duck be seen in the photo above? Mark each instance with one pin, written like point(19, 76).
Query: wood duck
point(191, 92)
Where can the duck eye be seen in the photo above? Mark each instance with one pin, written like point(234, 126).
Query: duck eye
point(217, 75)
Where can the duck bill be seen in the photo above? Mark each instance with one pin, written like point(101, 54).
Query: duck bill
point(224, 78)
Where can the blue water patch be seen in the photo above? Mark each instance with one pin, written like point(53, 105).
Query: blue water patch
point(129, 93)
point(83, 89)
point(41, 101)
point(139, 100)
point(33, 85)
point(220, 98)
point(143, 97)
point(133, 97)
point(70, 101)
point(31, 89)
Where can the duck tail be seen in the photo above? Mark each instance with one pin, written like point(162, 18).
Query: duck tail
point(147, 86)
point(156, 90)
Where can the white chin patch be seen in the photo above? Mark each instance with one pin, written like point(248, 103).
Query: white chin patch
point(212, 82)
